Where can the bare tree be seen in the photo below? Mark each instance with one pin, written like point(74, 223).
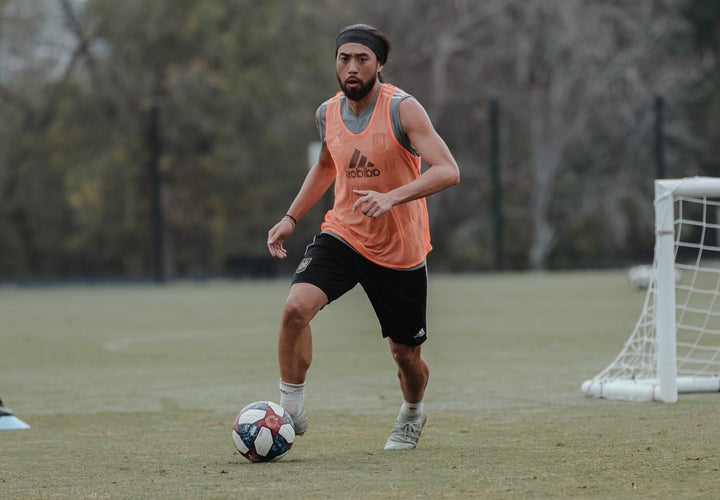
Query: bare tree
point(584, 64)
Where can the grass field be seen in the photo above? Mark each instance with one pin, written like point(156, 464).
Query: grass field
point(131, 391)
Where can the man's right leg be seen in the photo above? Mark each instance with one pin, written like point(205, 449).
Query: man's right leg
point(295, 348)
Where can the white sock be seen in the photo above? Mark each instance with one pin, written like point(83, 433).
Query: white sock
point(411, 410)
point(292, 397)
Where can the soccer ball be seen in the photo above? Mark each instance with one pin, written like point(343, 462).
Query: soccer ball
point(263, 431)
point(640, 277)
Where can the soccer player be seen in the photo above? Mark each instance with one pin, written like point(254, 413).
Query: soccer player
point(376, 234)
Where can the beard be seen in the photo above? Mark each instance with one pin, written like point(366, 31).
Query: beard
point(360, 91)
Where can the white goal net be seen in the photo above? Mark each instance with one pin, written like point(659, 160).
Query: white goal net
point(675, 345)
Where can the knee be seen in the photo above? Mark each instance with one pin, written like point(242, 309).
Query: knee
point(405, 355)
point(296, 314)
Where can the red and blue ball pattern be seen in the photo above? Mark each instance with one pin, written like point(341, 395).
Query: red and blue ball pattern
point(263, 431)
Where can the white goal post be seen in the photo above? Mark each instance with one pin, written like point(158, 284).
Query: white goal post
point(675, 345)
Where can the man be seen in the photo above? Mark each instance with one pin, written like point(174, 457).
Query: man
point(377, 233)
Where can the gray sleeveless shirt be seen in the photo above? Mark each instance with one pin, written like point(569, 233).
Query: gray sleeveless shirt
point(357, 123)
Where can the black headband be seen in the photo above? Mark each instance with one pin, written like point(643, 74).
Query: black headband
point(366, 38)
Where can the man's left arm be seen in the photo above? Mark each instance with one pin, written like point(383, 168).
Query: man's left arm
point(441, 173)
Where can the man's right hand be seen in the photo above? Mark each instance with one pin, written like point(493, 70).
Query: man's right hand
point(277, 236)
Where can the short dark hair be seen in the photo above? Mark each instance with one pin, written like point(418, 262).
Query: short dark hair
point(376, 33)
point(368, 35)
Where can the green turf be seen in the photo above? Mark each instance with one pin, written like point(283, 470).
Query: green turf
point(131, 392)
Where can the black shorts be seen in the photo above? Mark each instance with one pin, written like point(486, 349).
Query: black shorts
point(398, 297)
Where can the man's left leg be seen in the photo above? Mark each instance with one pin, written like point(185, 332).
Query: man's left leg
point(414, 374)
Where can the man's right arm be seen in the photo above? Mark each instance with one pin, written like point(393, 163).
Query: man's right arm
point(317, 181)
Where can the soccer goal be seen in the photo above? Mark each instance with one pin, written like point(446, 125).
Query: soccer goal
point(675, 345)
